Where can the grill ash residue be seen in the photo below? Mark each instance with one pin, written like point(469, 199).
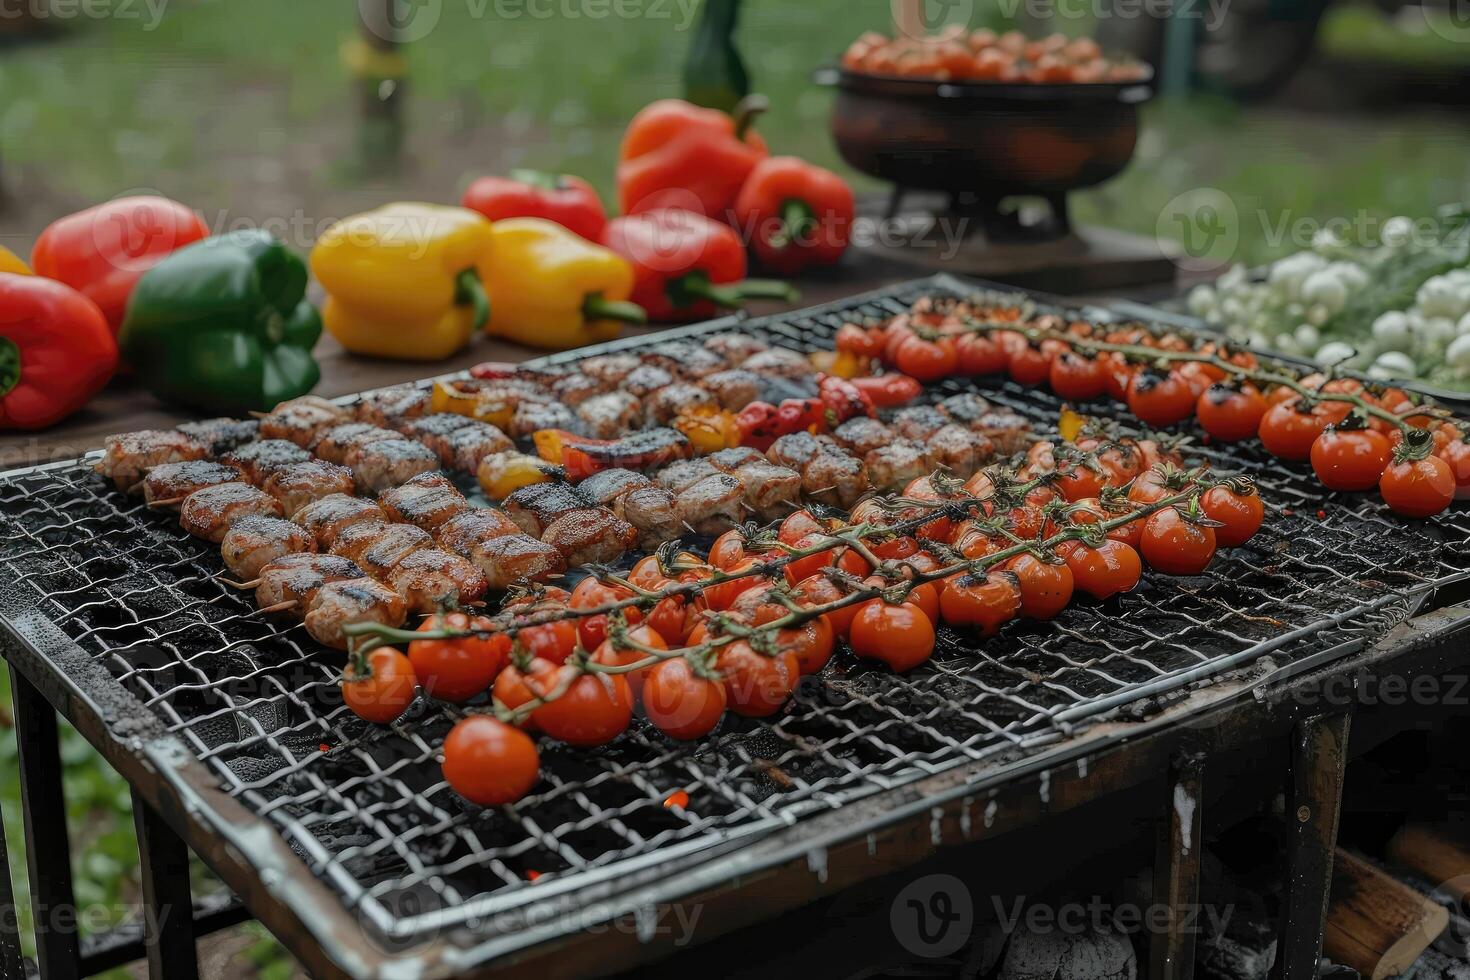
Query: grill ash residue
point(258, 700)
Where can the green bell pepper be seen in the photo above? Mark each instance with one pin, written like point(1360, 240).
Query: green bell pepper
point(223, 325)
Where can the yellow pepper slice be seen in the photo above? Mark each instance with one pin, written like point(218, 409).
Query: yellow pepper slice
point(404, 280)
point(555, 290)
point(709, 429)
point(504, 473)
point(10, 262)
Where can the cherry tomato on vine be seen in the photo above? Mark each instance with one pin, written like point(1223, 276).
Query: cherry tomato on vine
point(1289, 428)
point(757, 685)
point(648, 574)
point(900, 636)
point(1029, 365)
point(797, 525)
point(667, 619)
point(1175, 545)
point(1046, 587)
point(855, 340)
point(986, 603)
point(611, 656)
point(514, 687)
point(382, 691)
point(593, 711)
point(1077, 378)
point(1117, 375)
point(1080, 481)
point(927, 360)
point(1457, 454)
point(811, 642)
point(1160, 399)
point(1105, 571)
point(1240, 514)
point(722, 595)
point(683, 702)
point(728, 549)
point(1418, 488)
point(1350, 459)
point(809, 565)
point(818, 590)
point(460, 668)
point(1231, 413)
point(553, 641)
point(489, 762)
point(977, 354)
point(590, 594)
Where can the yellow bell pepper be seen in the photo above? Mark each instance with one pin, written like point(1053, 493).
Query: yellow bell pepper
point(503, 474)
point(405, 280)
point(555, 290)
point(10, 262)
point(449, 397)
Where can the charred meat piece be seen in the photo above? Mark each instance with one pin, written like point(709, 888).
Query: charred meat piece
point(470, 445)
point(958, 451)
point(685, 359)
point(390, 463)
point(645, 450)
point(896, 465)
point(513, 558)
point(222, 435)
point(797, 449)
point(735, 348)
point(645, 379)
point(771, 491)
point(461, 533)
point(862, 435)
point(780, 362)
point(296, 578)
point(300, 484)
point(835, 478)
point(685, 473)
point(730, 460)
point(533, 508)
point(337, 605)
point(251, 543)
point(651, 511)
point(434, 431)
point(590, 536)
point(430, 578)
point(175, 481)
point(607, 486)
point(391, 407)
point(611, 415)
point(1008, 431)
point(532, 417)
point(671, 401)
point(335, 443)
point(256, 461)
point(919, 422)
point(712, 505)
point(575, 388)
point(301, 420)
point(965, 408)
point(127, 458)
point(208, 513)
point(734, 389)
point(609, 368)
point(377, 548)
point(328, 517)
point(428, 501)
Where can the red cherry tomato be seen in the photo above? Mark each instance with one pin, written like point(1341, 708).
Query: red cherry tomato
point(1418, 488)
point(458, 669)
point(1231, 413)
point(1160, 399)
point(978, 354)
point(1177, 546)
point(683, 702)
point(1240, 514)
point(1105, 571)
point(986, 603)
point(593, 711)
point(927, 360)
point(515, 687)
point(384, 690)
point(615, 657)
point(1046, 587)
point(489, 762)
point(1350, 459)
point(1077, 378)
point(1288, 429)
point(900, 636)
point(756, 685)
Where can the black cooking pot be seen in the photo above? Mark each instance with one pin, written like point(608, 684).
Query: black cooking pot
point(994, 139)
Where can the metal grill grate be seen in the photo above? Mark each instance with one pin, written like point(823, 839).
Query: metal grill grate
point(366, 809)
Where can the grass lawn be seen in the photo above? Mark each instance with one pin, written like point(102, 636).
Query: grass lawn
point(246, 111)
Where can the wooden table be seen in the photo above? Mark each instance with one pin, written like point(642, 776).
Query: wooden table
point(123, 406)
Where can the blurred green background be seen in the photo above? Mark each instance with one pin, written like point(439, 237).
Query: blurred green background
point(247, 112)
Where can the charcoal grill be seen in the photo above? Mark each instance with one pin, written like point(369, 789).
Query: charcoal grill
point(342, 837)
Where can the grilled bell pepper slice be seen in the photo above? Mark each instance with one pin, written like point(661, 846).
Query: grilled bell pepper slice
point(795, 214)
point(889, 390)
point(553, 289)
point(11, 263)
point(56, 351)
point(687, 267)
point(843, 400)
point(678, 155)
point(461, 400)
point(404, 280)
point(581, 457)
point(103, 251)
point(709, 429)
point(569, 201)
point(223, 325)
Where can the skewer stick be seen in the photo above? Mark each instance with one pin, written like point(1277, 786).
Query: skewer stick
point(168, 502)
point(239, 585)
point(279, 607)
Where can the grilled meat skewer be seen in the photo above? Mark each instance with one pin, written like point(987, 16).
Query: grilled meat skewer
point(252, 542)
point(127, 458)
point(210, 512)
point(167, 485)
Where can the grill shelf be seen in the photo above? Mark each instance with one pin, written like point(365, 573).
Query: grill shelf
point(365, 808)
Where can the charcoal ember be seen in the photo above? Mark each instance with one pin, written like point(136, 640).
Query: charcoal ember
point(1094, 954)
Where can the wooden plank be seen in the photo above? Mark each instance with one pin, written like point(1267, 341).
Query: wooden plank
point(1376, 924)
point(1435, 856)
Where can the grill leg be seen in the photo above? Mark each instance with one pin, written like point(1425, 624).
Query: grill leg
point(1318, 759)
point(11, 964)
point(168, 905)
point(48, 849)
point(1177, 869)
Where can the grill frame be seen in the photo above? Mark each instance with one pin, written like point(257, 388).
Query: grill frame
point(168, 774)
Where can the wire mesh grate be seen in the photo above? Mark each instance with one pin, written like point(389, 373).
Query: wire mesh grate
point(366, 808)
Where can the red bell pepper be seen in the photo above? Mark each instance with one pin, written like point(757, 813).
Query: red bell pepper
point(686, 267)
point(581, 456)
point(569, 201)
point(795, 214)
point(843, 400)
point(677, 154)
point(56, 351)
point(103, 251)
point(889, 390)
